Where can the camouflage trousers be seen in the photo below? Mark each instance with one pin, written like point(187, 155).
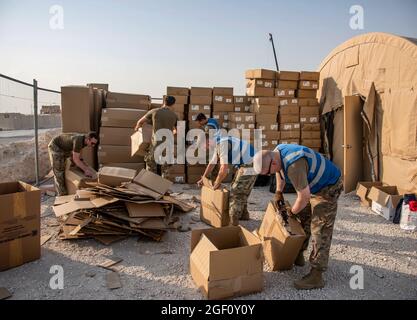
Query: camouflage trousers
point(58, 162)
point(240, 191)
point(151, 164)
point(318, 220)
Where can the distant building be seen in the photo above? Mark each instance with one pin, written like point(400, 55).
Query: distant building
point(53, 109)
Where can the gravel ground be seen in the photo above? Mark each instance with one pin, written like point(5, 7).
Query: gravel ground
point(150, 270)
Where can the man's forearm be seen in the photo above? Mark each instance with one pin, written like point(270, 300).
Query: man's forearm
point(209, 170)
point(299, 205)
point(222, 175)
point(80, 164)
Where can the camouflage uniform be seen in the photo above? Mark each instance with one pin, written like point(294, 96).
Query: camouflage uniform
point(240, 190)
point(151, 164)
point(318, 220)
point(58, 162)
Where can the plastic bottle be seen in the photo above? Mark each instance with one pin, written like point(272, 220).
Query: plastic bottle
point(409, 216)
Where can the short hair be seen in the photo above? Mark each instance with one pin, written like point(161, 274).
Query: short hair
point(200, 117)
point(169, 101)
point(92, 135)
point(261, 161)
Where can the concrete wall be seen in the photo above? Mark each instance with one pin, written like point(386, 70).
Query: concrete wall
point(17, 121)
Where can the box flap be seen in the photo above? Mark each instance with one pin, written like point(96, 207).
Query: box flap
point(153, 181)
point(76, 205)
point(145, 210)
point(384, 195)
point(122, 173)
point(201, 256)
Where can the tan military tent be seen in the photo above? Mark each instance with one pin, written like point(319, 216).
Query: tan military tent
point(369, 104)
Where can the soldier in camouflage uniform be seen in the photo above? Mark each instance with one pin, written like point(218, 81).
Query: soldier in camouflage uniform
point(65, 146)
point(230, 150)
point(160, 118)
point(318, 184)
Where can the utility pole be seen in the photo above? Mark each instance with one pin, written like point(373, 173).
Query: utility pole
point(271, 38)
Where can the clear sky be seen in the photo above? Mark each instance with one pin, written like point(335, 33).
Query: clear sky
point(145, 45)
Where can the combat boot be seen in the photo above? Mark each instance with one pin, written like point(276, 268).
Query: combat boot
point(300, 261)
point(313, 280)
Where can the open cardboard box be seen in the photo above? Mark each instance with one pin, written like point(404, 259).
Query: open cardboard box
point(214, 209)
point(362, 191)
point(19, 224)
point(281, 244)
point(75, 178)
point(385, 200)
point(226, 262)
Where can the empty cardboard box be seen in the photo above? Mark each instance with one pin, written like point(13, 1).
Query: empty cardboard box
point(362, 191)
point(281, 244)
point(75, 178)
point(226, 262)
point(19, 224)
point(385, 201)
point(214, 208)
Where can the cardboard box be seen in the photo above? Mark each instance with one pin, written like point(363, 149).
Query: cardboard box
point(242, 108)
point(266, 119)
point(363, 189)
point(289, 127)
point(288, 102)
point(241, 125)
point(308, 75)
point(176, 168)
point(261, 74)
point(311, 143)
point(203, 100)
point(226, 262)
point(310, 111)
point(285, 93)
point(223, 108)
point(134, 166)
point(76, 180)
point(223, 99)
point(125, 100)
point(281, 244)
point(308, 85)
point(199, 108)
point(274, 101)
point(77, 107)
point(310, 134)
point(180, 99)
point(288, 118)
point(221, 116)
point(19, 224)
point(267, 126)
point(153, 182)
point(260, 83)
point(309, 119)
point(290, 111)
point(178, 91)
point(178, 108)
point(241, 100)
point(242, 117)
point(289, 141)
point(113, 154)
point(290, 135)
point(385, 200)
point(260, 92)
point(121, 118)
point(271, 135)
point(199, 91)
point(114, 177)
point(116, 136)
point(221, 91)
point(141, 140)
point(305, 102)
point(311, 94)
point(310, 127)
point(214, 209)
point(289, 75)
point(269, 144)
point(193, 117)
point(177, 178)
point(286, 84)
point(102, 86)
point(264, 109)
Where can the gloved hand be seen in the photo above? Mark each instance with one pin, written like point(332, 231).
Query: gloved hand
point(279, 196)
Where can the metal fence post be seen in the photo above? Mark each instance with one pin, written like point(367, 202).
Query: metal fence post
point(35, 119)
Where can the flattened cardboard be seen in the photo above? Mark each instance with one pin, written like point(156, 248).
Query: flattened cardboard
point(362, 191)
point(114, 177)
point(214, 208)
point(134, 166)
point(124, 100)
point(113, 281)
point(145, 210)
point(19, 224)
point(153, 182)
point(141, 140)
point(281, 247)
point(117, 154)
point(121, 118)
point(77, 107)
point(4, 294)
point(226, 262)
point(76, 205)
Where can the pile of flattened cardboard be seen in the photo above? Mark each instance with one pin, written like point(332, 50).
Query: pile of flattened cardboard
point(139, 206)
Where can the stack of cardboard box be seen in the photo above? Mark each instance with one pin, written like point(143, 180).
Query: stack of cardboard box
point(117, 126)
point(223, 105)
point(181, 96)
point(80, 107)
point(260, 83)
point(201, 100)
point(266, 113)
point(309, 110)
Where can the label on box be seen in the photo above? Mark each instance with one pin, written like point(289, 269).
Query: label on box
point(283, 103)
point(179, 179)
point(229, 100)
point(240, 100)
point(225, 125)
point(207, 108)
point(216, 116)
point(238, 119)
point(251, 126)
point(294, 101)
point(195, 107)
point(309, 119)
point(249, 119)
point(237, 109)
point(218, 98)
